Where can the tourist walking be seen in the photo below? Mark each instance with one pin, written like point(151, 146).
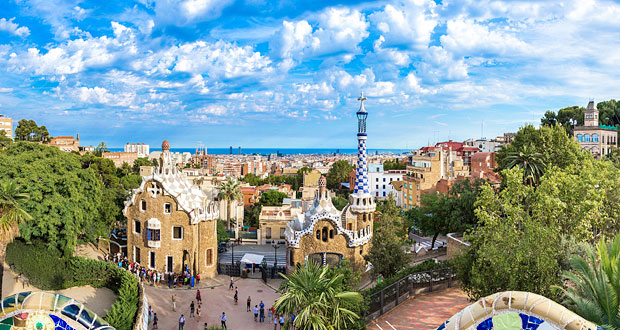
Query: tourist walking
point(249, 303)
point(206, 327)
point(236, 296)
point(281, 321)
point(181, 322)
point(155, 320)
point(191, 309)
point(261, 317)
point(174, 303)
point(198, 310)
point(271, 311)
point(275, 322)
point(223, 320)
point(255, 313)
point(231, 283)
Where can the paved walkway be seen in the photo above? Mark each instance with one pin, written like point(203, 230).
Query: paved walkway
point(216, 300)
point(426, 311)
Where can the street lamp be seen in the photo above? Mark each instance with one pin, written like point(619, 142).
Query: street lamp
point(232, 260)
point(275, 255)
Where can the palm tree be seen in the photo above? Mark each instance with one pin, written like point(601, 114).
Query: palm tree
point(596, 291)
point(316, 299)
point(11, 214)
point(229, 191)
point(530, 162)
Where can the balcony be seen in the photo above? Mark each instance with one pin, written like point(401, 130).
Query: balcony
point(153, 244)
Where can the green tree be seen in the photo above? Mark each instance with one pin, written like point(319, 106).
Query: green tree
point(64, 197)
point(27, 130)
point(143, 161)
point(529, 161)
point(12, 214)
point(387, 253)
point(272, 198)
point(100, 149)
point(229, 191)
point(549, 119)
point(222, 234)
point(594, 289)
point(565, 117)
point(4, 140)
point(338, 173)
point(339, 202)
point(317, 300)
point(393, 164)
point(501, 256)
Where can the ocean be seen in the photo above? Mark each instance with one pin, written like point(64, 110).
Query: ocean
point(283, 151)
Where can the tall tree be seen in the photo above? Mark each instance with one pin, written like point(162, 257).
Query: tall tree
point(594, 289)
point(229, 191)
point(4, 140)
point(100, 149)
point(12, 214)
point(338, 173)
point(272, 198)
point(317, 300)
point(27, 130)
point(529, 161)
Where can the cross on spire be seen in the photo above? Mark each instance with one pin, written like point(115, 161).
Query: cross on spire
point(362, 98)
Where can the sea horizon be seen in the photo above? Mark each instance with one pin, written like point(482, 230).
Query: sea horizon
point(282, 151)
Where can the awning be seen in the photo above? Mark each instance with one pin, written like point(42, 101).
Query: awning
point(250, 258)
point(153, 223)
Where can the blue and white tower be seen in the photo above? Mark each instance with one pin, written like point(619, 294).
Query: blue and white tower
point(361, 201)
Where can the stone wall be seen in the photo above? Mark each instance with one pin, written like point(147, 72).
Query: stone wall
point(456, 244)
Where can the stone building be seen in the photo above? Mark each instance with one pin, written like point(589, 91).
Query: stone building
point(326, 235)
point(595, 137)
point(171, 223)
point(66, 143)
point(119, 157)
point(272, 220)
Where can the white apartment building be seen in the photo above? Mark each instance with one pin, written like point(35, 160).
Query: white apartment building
point(485, 145)
point(6, 125)
point(379, 180)
point(141, 148)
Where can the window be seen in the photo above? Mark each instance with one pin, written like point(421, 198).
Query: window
point(364, 217)
point(377, 186)
point(282, 232)
point(152, 259)
point(384, 194)
point(136, 254)
point(391, 179)
point(169, 264)
point(349, 226)
point(361, 250)
point(167, 208)
point(153, 234)
point(268, 235)
point(586, 138)
point(324, 234)
point(418, 187)
point(177, 232)
point(377, 180)
point(383, 179)
point(291, 261)
point(405, 185)
point(209, 257)
point(136, 227)
point(377, 194)
point(594, 137)
point(318, 234)
point(142, 205)
point(383, 186)
point(331, 233)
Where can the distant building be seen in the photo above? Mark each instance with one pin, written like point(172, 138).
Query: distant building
point(310, 185)
point(119, 157)
point(379, 180)
point(141, 149)
point(66, 143)
point(594, 137)
point(273, 219)
point(6, 125)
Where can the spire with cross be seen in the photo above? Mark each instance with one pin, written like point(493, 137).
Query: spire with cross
point(362, 98)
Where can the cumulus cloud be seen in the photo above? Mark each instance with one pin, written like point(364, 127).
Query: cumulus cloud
point(183, 12)
point(407, 24)
point(100, 95)
point(13, 28)
point(465, 37)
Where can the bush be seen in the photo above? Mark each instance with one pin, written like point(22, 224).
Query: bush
point(48, 270)
point(424, 266)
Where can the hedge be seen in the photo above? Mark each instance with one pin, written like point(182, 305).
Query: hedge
point(48, 270)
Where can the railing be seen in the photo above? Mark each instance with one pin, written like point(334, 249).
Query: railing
point(411, 285)
point(248, 234)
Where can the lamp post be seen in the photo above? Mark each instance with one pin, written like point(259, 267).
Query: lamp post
point(232, 260)
point(275, 255)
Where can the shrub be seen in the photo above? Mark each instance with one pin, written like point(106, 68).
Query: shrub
point(45, 268)
point(424, 266)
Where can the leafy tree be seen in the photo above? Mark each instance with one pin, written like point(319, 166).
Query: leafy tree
point(27, 130)
point(5, 141)
point(501, 256)
point(338, 173)
point(609, 112)
point(251, 216)
point(614, 156)
point(387, 254)
point(11, 215)
point(143, 161)
point(549, 119)
point(317, 300)
point(222, 234)
point(393, 164)
point(339, 202)
point(100, 149)
point(565, 117)
point(65, 198)
point(529, 161)
point(272, 198)
point(229, 191)
point(553, 145)
point(594, 289)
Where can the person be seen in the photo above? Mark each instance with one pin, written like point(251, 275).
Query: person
point(255, 313)
point(249, 303)
point(198, 298)
point(236, 297)
point(198, 310)
point(262, 305)
point(205, 326)
point(281, 321)
point(150, 314)
point(261, 317)
point(231, 283)
point(275, 322)
point(223, 320)
point(155, 319)
point(181, 322)
point(191, 309)
point(174, 303)
point(293, 321)
point(271, 310)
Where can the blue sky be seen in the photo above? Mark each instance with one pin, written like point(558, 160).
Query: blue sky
point(287, 73)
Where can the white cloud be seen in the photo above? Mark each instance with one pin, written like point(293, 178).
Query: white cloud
point(5, 90)
point(184, 12)
point(465, 37)
point(213, 109)
point(100, 95)
point(13, 28)
point(410, 23)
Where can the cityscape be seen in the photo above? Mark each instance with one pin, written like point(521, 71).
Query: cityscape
point(402, 165)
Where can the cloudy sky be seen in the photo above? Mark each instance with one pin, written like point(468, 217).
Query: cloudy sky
point(286, 73)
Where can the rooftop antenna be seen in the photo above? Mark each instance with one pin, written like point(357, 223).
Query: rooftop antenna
point(482, 130)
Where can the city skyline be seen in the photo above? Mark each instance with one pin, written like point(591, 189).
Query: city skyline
point(244, 73)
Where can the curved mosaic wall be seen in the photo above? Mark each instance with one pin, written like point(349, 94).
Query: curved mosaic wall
point(47, 311)
point(512, 310)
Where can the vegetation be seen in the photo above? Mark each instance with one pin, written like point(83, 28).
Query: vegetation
point(594, 292)
point(410, 269)
point(272, 198)
point(338, 173)
point(27, 130)
point(11, 215)
point(48, 269)
point(222, 234)
point(100, 149)
point(256, 181)
point(394, 164)
point(5, 141)
point(609, 114)
point(339, 202)
point(229, 191)
point(529, 161)
point(317, 299)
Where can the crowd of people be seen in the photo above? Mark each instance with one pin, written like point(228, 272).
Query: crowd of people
point(154, 277)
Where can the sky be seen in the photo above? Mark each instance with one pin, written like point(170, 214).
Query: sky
point(285, 73)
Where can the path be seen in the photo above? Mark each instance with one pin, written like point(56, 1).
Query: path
point(215, 301)
point(426, 311)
